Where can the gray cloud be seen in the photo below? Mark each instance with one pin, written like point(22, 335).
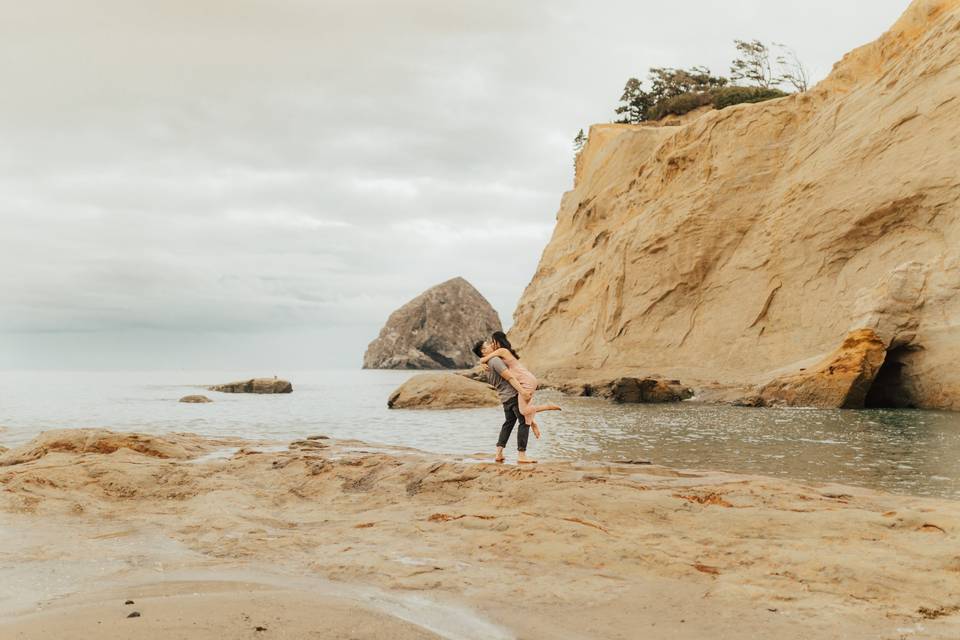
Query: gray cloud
point(297, 169)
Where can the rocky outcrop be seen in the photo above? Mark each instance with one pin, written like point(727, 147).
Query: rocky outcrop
point(195, 399)
point(628, 390)
point(749, 242)
point(442, 391)
point(255, 385)
point(841, 381)
point(435, 330)
point(80, 441)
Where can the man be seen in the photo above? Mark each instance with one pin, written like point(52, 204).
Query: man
point(499, 376)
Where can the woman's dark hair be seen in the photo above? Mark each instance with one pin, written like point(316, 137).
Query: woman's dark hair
point(501, 339)
point(478, 349)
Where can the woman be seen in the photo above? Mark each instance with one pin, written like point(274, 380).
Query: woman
point(527, 381)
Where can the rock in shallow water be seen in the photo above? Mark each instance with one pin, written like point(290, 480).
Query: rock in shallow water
point(842, 380)
point(442, 391)
point(435, 330)
point(631, 390)
point(255, 385)
point(195, 399)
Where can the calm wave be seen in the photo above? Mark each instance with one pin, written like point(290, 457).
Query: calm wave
point(914, 452)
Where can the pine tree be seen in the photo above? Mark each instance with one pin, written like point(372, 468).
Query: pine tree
point(634, 103)
point(579, 141)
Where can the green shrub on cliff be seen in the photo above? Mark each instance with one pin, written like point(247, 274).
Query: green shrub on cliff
point(679, 105)
point(679, 91)
point(671, 91)
point(729, 96)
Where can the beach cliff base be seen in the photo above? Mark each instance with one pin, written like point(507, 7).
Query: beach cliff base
point(206, 534)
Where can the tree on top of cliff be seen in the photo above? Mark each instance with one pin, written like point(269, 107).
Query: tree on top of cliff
point(666, 84)
point(634, 103)
point(579, 141)
point(753, 64)
point(669, 83)
point(792, 70)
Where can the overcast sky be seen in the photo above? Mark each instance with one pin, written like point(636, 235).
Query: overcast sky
point(257, 184)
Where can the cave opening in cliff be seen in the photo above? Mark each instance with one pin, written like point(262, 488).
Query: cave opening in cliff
point(890, 388)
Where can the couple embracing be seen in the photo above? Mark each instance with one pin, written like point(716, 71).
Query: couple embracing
point(515, 385)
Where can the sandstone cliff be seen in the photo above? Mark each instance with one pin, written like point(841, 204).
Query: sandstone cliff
point(747, 244)
point(435, 330)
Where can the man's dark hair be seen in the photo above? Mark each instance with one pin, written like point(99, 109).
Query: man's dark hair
point(478, 349)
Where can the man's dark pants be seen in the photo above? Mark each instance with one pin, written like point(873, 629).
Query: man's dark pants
point(511, 414)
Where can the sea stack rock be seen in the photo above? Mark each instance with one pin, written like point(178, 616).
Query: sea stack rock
point(435, 330)
point(255, 385)
point(749, 242)
point(442, 391)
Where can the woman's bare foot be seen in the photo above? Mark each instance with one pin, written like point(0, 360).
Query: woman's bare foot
point(536, 430)
point(499, 457)
point(551, 407)
point(523, 459)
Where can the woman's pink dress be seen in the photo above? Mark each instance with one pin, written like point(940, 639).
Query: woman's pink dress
point(528, 382)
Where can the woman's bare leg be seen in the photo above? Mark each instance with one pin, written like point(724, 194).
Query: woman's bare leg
point(529, 414)
point(545, 407)
point(533, 426)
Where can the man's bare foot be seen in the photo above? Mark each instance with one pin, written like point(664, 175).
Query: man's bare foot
point(499, 457)
point(523, 459)
point(536, 430)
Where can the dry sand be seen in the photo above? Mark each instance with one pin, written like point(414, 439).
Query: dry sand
point(318, 539)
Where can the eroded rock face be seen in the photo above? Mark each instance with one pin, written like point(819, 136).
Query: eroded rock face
point(442, 391)
point(750, 241)
point(841, 381)
point(195, 399)
point(435, 330)
point(255, 385)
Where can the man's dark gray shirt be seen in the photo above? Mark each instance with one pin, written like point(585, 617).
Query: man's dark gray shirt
point(496, 366)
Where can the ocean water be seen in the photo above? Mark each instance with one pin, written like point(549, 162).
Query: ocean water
point(902, 451)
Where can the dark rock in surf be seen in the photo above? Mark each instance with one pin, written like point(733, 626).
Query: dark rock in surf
point(255, 385)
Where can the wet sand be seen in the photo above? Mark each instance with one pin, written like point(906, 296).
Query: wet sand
point(210, 611)
point(304, 537)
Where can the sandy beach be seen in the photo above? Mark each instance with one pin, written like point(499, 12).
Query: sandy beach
point(323, 539)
